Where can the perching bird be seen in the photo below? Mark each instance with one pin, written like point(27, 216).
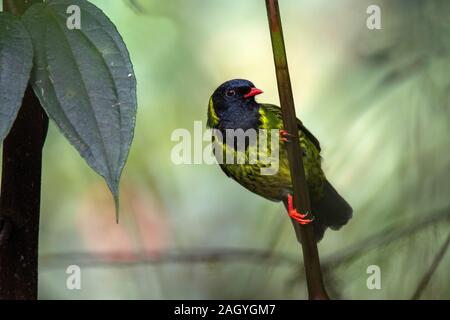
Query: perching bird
point(233, 106)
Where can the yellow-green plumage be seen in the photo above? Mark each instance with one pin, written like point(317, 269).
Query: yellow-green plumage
point(232, 106)
point(274, 187)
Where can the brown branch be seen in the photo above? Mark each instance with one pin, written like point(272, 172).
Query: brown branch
point(125, 259)
point(427, 276)
point(386, 236)
point(316, 288)
point(20, 201)
point(20, 192)
point(136, 7)
point(241, 255)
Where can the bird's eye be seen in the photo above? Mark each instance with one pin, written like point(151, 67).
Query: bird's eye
point(230, 93)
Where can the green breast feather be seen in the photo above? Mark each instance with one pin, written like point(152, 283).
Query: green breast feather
point(275, 186)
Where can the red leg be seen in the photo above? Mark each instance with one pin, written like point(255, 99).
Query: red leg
point(300, 218)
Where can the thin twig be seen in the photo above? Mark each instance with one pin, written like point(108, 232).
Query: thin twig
point(125, 259)
point(316, 288)
point(241, 255)
point(136, 7)
point(427, 276)
point(386, 236)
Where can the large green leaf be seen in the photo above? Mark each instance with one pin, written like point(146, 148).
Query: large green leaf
point(16, 58)
point(85, 81)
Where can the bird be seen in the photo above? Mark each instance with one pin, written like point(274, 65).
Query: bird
point(233, 106)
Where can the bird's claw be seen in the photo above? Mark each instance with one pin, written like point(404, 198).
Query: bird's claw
point(285, 136)
point(299, 217)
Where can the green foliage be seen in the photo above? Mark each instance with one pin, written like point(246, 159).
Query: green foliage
point(83, 78)
point(16, 56)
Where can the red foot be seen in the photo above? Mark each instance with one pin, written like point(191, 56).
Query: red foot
point(285, 135)
point(300, 218)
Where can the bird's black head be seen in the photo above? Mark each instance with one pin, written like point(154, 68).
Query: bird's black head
point(233, 104)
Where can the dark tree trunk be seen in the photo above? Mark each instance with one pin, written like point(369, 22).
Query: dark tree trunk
point(21, 192)
point(20, 201)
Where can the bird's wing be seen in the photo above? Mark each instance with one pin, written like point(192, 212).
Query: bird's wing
point(276, 111)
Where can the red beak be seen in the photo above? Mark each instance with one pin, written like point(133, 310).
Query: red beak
point(253, 92)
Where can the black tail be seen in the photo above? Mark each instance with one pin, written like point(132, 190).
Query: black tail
point(331, 211)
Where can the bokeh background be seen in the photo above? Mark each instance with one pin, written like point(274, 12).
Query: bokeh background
point(378, 100)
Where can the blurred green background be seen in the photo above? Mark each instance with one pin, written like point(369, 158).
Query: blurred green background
point(378, 100)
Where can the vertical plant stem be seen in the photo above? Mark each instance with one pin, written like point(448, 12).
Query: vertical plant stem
point(314, 279)
point(20, 193)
